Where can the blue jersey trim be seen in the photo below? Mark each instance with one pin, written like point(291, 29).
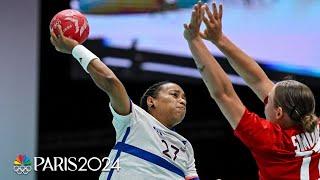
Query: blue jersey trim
point(119, 152)
point(148, 156)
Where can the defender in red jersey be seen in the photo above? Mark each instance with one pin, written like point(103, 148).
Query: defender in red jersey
point(286, 144)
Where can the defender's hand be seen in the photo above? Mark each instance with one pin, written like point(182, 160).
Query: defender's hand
point(213, 23)
point(192, 30)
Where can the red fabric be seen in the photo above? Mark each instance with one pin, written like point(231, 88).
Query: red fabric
point(273, 148)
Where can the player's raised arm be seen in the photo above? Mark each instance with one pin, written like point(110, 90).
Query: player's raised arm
point(243, 64)
point(104, 78)
point(216, 80)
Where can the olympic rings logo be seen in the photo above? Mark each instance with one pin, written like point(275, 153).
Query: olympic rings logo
point(22, 169)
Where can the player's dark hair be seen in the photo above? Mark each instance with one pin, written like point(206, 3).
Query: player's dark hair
point(152, 91)
point(298, 101)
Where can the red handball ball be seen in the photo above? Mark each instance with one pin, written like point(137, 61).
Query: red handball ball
point(74, 25)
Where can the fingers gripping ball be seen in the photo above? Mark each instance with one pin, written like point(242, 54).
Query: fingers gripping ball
point(73, 24)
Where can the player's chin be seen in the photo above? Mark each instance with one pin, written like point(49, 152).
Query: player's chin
point(177, 121)
point(180, 116)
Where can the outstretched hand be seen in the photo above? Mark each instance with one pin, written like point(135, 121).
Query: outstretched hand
point(61, 43)
point(213, 22)
point(192, 30)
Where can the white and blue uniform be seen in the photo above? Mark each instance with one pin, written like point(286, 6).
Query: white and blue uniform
point(146, 149)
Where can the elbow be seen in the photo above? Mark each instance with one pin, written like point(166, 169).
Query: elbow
point(222, 94)
point(220, 91)
point(216, 95)
point(222, 97)
point(257, 79)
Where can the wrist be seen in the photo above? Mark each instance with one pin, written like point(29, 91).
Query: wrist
point(195, 39)
point(72, 46)
point(83, 56)
point(220, 43)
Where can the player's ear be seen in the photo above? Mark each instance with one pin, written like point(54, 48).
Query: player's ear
point(279, 113)
point(150, 102)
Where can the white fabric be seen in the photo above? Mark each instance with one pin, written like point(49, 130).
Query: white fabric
point(83, 56)
point(148, 134)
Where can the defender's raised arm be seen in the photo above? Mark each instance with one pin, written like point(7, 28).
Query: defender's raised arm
point(243, 64)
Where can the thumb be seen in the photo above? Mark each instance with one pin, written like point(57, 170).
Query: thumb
point(57, 49)
point(203, 35)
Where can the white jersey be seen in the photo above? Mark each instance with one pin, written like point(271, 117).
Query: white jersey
point(146, 149)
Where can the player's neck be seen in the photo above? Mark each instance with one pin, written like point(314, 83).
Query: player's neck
point(286, 123)
point(163, 120)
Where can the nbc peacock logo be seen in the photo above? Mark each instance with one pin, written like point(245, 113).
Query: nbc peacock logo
point(22, 164)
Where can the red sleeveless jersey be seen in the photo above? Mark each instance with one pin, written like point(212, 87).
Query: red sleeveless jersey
point(281, 154)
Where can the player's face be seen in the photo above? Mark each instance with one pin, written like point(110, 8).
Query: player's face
point(269, 108)
point(171, 103)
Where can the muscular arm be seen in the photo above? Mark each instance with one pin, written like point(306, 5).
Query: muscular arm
point(107, 81)
point(246, 67)
point(217, 82)
point(104, 78)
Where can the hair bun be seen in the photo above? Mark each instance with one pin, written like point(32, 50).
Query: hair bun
point(309, 122)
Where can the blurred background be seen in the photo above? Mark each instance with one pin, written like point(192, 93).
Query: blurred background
point(50, 107)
